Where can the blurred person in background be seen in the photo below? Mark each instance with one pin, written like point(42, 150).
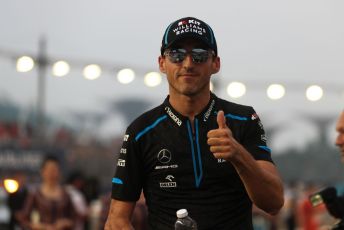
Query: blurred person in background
point(17, 199)
point(74, 185)
point(48, 207)
point(333, 197)
point(340, 144)
point(91, 190)
point(138, 219)
point(195, 150)
point(289, 213)
point(309, 217)
point(340, 136)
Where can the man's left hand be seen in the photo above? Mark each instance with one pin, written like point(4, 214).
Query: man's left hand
point(221, 141)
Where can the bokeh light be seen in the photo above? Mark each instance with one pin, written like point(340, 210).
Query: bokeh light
point(314, 93)
point(236, 89)
point(125, 76)
point(92, 72)
point(275, 91)
point(11, 185)
point(60, 68)
point(24, 64)
point(152, 79)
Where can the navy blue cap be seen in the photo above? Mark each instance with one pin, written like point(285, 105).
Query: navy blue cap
point(188, 27)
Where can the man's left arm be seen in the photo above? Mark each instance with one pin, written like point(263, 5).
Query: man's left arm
point(260, 178)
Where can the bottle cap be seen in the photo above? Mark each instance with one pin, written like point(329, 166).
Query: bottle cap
point(181, 213)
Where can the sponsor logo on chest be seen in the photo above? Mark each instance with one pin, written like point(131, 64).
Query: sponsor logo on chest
point(221, 160)
point(173, 116)
point(169, 183)
point(164, 157)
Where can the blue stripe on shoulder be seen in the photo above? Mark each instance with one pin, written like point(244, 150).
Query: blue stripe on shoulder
point(266, 148)
point(116, 180)
point(150, 127)
point(236, 117)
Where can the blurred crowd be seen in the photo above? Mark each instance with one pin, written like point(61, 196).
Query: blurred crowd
point(298, 213)
point(71, 205)
point(76, 199)
point(55, 204)
point(70, 189)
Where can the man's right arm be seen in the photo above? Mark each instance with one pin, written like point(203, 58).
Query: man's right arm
point(119, 217)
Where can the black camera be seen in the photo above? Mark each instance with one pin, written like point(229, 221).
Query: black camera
point(333, 203)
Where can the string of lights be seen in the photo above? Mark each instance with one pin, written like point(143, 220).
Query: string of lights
point(61, 68)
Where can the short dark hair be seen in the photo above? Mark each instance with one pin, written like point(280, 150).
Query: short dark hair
point(48, 158)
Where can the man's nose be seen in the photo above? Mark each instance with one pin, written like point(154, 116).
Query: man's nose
point(340, 139)
point(187, 62)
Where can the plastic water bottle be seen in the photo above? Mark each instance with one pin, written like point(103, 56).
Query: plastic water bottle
point(184, 221)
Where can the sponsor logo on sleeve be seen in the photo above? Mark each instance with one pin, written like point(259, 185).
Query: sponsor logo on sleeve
point(260, 125)
point(263, 137)
point(254, 117)
point(121, 163)
point(207, 114)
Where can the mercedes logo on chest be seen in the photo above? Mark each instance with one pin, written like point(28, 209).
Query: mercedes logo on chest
point(164, 156)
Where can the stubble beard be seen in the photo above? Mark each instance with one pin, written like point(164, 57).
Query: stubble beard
point(189, 91)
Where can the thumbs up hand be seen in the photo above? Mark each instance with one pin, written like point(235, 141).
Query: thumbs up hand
point(221, 120)
point(221, 141)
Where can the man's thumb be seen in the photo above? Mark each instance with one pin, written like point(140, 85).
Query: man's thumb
point(221, 120)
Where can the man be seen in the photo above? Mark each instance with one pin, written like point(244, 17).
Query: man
point(340, 137)
point(333, 197)
point(340, 144)
point(339, 211)
point(195, 151)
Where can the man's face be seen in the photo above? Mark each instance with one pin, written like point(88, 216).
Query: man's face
point(340, 137)
point(187, 77)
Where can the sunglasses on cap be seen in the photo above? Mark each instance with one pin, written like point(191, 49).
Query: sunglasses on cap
point(198, 55)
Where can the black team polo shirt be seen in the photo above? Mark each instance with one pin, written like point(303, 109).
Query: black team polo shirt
point(174, 166)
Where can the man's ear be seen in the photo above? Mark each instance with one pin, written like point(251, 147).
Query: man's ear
point(162, 63)
point(216, 64)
